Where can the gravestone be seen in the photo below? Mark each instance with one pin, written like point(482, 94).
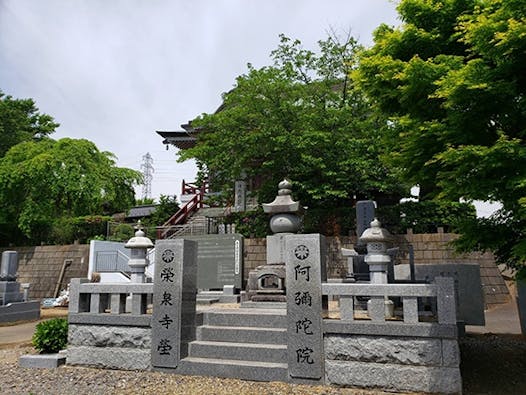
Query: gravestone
point(240, 196)
point(468, 287)
point(14, 305)
point(364, 215)
point(305, 271)
point(174, 293)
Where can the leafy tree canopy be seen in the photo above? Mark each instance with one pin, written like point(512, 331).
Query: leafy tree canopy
point(20, 121)
point(303, 119)
point(452, 80)
point(41, 182)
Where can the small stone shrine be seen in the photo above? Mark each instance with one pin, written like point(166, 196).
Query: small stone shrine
point(266, 283)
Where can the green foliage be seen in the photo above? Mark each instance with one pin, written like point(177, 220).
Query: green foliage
point(20, 121)
point(67, 230)
point(330, 221)
point(300, 118)
point(43, 181)
point(250, 223)
point(452, 80)
point(167, 207)
point(122, 232)
point(426, 216)
point(51, 336)
point(145, 201)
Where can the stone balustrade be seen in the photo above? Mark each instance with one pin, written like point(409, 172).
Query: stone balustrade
point(105, 304)
point(442, 290)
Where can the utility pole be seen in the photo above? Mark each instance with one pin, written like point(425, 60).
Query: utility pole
point(147, 173)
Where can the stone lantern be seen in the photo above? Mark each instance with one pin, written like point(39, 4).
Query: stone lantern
point(266, 283)
point(376, 239)
point(138, 245)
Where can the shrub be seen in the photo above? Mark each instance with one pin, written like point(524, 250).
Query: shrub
point(51, 336)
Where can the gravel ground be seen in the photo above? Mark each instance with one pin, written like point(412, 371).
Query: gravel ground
point(491, 364)
point(79, 380)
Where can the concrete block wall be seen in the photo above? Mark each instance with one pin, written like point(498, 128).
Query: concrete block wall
point(428, 248)
point(41, 266)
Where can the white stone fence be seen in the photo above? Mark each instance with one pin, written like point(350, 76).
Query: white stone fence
point(105, 304)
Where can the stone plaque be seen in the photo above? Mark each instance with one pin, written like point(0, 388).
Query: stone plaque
point(174, 290)
point(468, 286)
point(305, 265)
point(219, 260)
point(364, 215)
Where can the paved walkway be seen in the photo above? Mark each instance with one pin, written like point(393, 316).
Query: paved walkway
point(501, 319)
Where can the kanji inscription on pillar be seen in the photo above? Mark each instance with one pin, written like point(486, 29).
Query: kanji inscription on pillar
point(305, 263)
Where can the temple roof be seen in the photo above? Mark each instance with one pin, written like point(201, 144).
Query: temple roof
point(181, 139)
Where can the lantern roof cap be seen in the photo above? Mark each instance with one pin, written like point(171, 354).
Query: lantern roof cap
point(376, 233)
point(139, 240)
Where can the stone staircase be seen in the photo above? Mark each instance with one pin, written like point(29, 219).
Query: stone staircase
point(248, 344)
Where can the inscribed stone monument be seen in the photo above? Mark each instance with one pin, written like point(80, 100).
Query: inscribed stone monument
point(173, 318)
point(305, 263)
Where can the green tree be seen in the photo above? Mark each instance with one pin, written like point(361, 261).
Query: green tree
point(300, 118)
point(20, 121)
point(166, 207)
point(42, 182)
point(452, 80)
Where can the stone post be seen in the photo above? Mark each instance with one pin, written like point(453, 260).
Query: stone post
point(174, 300)
point(305, 263)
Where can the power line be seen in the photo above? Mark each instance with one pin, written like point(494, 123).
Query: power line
point(147, 173)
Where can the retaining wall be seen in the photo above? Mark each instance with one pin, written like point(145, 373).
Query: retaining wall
point(41, 267)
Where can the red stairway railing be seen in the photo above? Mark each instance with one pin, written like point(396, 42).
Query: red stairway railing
point(191, 206)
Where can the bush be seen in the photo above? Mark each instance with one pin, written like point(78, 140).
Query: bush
point(66, 230)
point(51, 336)
point(250, 223)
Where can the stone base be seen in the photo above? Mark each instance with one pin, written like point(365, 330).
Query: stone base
point(393, 377)
point(20, 311)
point(392, 363)
point(263, 305)
point(42, 360)
point(110, 357)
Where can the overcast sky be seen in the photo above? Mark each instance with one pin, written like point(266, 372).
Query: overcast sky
point(113, 71)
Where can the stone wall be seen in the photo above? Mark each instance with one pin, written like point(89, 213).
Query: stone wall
point(428, 248)
point(111, 347)
point(393, 363)
point(41, 267)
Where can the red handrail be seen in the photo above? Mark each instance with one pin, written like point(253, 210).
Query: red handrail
point(181, 215)
point(191, 188)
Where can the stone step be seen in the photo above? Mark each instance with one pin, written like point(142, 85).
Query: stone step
point(238, 334)
point(244, 370)
point(258, 318)
point(239, 351)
